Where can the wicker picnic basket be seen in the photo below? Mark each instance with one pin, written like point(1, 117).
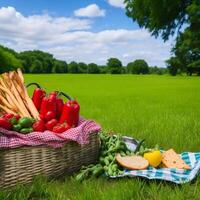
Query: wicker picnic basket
point(21, 165)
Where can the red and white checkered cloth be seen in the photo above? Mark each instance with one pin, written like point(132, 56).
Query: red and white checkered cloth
point(80, 134)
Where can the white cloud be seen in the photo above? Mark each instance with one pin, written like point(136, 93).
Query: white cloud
point(71, 39)
point(13, 23)
point(117, 3)
point(92, 10)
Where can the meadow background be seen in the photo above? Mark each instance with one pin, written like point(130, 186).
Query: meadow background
point(103, 54)
point(163, 110)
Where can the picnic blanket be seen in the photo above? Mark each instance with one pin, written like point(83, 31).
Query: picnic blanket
point(178, 176)
point(79, 134)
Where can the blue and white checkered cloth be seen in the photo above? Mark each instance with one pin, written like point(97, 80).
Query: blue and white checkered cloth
point(178, 176)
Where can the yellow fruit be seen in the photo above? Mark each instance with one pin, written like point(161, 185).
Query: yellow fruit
point(154, 158)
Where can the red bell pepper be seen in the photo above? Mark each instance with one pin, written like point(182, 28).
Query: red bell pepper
point(70, 113)
point(51, 104)
point(59, 107)
point(59, 102)
point(48, 109)
point(8, 116)
point(50, 124)
point(38, 95)
point(49, 115)
point(17, 117)
point(60, 128)
point(53, 94)
point(39, 126)
point(5, 124)
point(43, 109)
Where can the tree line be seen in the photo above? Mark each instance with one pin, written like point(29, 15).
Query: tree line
point(166, 18)
point(38, 62)
point(161, 18)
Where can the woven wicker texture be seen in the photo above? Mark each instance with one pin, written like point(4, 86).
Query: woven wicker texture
point(21, 165)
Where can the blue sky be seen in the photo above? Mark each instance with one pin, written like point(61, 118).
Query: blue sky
point(80, 30)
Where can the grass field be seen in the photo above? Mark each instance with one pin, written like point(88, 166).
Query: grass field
point(161, 109)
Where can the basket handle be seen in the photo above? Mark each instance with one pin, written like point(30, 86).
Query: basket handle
point(65, 95)
point(59, 93)
point(36, 84)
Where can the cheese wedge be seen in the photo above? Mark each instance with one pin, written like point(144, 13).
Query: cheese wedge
point(172, 160)
point(132, 162)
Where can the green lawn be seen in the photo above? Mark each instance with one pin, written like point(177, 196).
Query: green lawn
point(161, 109)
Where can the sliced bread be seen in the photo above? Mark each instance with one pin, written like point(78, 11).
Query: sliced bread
point(172, 160)
point(132, 162)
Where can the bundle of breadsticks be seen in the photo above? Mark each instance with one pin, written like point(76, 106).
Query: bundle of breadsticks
point(14, 96)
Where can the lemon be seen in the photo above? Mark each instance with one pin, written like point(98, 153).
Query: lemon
point(154, 158)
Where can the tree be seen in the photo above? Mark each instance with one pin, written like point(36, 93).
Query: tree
point(93, 69)
point(59, 67)
point(29, 58)
point(160, 17)
point(165, 18)
point(138, 67)
point(36, 67)
point(158, 70)
point(194, 68)
point(73, 68)
point(8, 61)
point(114, 66)
point(26, 62)
point(11, 51)
point(186, 53)
point(173, 64)
point(103, 69)
point(153, 70)
point(82, 67)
